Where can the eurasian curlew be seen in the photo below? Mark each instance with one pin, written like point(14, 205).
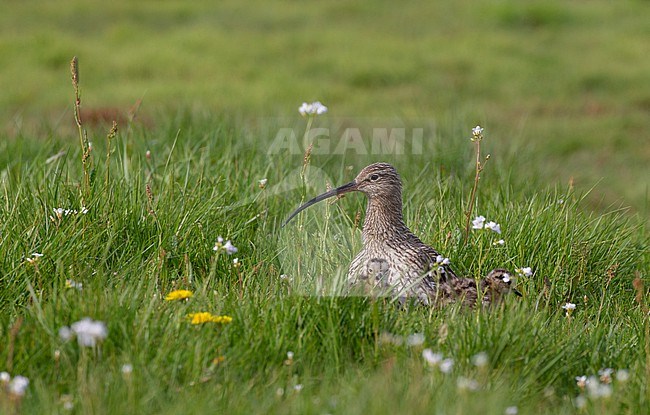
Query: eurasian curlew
point(393, 260)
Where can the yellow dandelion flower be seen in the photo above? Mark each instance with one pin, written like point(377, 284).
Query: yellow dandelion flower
point(222, 319)
point(205, 317)
point(178, 295)
point(200, 318)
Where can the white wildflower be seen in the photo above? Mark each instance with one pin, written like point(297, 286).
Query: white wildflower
point(606, 375)
point(493, 226)
point(304, 109)
point(478, 222)
point(464, 384)
point(229, 248)
point(61, 212)
point(442, 260)
point(315, 108)
point(511, 410)
point(597, 390)
point(290, 355)
point(622, 375)
point(415, 339)
point(581, 381)
point(65, 333)
point(319, 108)
point(580, 402)
point(88, 332)
point(569, 307)
point(476, 131)
point(446, 365)
point(480, 359)
point(262, 183)
point(73, 284)
point(4, 377)
point(127, 369)
point(68, 402)
point(286, 277)
point(431, 358)
point(525, 271)
point(35, 256)
point(297, 387)
point(499, 242)
point(18, 385)
point(389, 338)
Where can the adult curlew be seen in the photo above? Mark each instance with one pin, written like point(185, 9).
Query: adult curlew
point(391, 255)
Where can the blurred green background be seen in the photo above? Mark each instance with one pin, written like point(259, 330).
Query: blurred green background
point(567, 81)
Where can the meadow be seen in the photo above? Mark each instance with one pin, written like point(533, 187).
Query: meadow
point(108, 230)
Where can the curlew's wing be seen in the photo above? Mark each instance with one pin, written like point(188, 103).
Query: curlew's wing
point(427, 256)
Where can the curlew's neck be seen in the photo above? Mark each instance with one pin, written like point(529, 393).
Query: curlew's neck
point(384, 219)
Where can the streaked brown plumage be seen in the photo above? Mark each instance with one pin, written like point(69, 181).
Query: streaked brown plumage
point(496, 284)
point(491, 289)
point(392, 257)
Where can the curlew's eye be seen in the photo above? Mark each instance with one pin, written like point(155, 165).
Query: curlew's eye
point(374, 177)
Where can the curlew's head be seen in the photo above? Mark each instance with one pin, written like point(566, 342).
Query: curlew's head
point(378, 180)
point(499, 281)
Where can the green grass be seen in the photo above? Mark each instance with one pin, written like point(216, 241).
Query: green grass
point(567, 79)
point(130, 249)
point(561, 89)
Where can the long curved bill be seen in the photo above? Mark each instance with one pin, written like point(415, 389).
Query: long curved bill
point(350, 187)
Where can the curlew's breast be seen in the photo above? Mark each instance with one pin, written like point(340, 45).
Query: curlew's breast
point(380, 270)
